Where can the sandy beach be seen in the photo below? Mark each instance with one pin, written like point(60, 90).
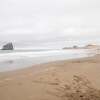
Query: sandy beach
point(77, 79)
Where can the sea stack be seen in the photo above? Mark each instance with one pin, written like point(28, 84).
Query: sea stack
point(8, 46)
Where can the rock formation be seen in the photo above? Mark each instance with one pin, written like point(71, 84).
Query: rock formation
point(8, 46)
point(74, 47)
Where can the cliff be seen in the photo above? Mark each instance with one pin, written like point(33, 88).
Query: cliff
point(89, 46)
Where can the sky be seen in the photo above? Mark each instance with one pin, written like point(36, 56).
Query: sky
point(49, 23)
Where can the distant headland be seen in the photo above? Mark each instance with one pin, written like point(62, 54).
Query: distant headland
point(89, 46)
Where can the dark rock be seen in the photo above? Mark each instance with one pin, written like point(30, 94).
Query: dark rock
point(8, 46)
point(75, 47)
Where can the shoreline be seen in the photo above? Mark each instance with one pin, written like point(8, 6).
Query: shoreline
point(43, 63)
point(14, 67)
point(47, 81)
point(24, 62)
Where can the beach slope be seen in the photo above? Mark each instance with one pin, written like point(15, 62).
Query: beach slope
point(77, 79)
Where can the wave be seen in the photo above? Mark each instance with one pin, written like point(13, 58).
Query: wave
point(11, 55)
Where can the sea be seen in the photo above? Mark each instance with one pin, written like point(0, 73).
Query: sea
point(17, 59)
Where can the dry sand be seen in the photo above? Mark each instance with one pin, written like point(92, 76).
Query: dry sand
point(77, 79)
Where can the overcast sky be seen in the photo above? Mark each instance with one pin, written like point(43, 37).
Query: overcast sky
point(49, 23)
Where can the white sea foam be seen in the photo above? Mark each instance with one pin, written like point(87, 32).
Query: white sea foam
point(18, 55)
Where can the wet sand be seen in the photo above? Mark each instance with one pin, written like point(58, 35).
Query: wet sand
point(77, 79)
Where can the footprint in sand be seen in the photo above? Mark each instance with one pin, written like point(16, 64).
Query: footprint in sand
point(86, 61)
point(20, 83)
point(79, 89)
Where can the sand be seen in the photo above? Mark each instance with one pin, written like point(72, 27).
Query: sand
point(77, 79)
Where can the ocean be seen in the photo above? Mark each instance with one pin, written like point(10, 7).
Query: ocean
point(16, 59)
